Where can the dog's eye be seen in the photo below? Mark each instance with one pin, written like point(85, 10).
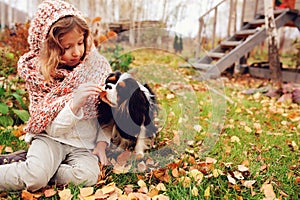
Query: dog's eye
point(108, 87)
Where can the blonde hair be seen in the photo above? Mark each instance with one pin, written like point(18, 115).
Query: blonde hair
point(52, 49)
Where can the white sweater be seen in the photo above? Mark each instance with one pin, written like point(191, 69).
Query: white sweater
point(71, 129)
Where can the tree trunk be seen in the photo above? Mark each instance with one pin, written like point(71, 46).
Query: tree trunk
point(273, 52)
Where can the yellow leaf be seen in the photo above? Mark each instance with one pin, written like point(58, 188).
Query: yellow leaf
point(207, 192)
point(153, 192)
point(195, 191)
point(185, 181)
point(161, 187)
point(65, 194)
point(108, 188)
point(87, 191)
point(196, 175)
point(141, 183)
point(248, 129)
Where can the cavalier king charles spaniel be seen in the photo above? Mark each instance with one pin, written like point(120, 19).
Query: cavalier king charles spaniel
point(126, 113)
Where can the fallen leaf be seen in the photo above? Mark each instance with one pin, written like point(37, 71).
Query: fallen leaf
point(65, 194)
point(153, 192)
point(268, 191)
point(141, 183)
point(123, 158)
point(27, 195)
point(195, 191)
point(99, 194)
point(161, 197)
point(142, 167)
point(162, 174)
point(243, 168)
point(87, 191)
point(249, 183)
point(196, 175)
point(235, 139)
point(231, 179)
point(207, 192)
point(109, 188)
point(161, 187)
point(50, 192)
point(185, 181)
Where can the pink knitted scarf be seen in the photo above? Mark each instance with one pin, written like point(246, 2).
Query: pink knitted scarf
point(47, 99)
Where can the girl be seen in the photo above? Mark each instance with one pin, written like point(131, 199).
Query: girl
point(63, 73)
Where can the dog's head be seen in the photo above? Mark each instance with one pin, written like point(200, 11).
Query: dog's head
point(133, 105)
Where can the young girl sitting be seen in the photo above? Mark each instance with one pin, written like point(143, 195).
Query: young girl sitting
point(63, 74)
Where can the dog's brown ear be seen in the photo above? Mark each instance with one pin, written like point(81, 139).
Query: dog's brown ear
point(113, 78)
point(122, 84)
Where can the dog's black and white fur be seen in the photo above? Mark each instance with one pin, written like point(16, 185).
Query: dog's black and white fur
point(126, 113)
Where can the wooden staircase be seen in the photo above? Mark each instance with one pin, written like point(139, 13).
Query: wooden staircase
point(231, 50)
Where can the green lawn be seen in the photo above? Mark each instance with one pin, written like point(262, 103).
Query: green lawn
point(225, 144)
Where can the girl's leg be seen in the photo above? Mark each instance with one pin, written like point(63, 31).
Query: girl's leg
point(80, 166)
point(43, 158)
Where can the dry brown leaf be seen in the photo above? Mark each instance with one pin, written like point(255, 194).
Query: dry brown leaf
point(175, 173)
point(27, 195)
point(297, 180)
point(49, 192)
point(87, 191)
point(162, 174)
point(123, 157)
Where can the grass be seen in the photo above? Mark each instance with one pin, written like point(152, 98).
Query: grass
point(258, 133)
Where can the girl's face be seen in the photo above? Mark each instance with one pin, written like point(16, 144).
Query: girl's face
point(73, 44)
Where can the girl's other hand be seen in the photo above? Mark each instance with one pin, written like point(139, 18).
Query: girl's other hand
point(81, 94)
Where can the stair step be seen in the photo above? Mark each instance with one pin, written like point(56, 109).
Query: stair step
point(215, 55)
point(230, 44)
point(202, 66)
point(245, 32)
point(257, 22)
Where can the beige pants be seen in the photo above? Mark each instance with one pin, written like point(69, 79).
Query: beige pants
point(50, 160)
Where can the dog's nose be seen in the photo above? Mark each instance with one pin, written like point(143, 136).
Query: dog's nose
point(108, 87)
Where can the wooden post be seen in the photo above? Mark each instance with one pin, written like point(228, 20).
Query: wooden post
point(229, 19)
point(214, 28)
point(272, 42)
point(2, 15)
point(198, 48)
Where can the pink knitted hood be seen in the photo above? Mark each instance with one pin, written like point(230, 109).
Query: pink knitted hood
point(47, 99)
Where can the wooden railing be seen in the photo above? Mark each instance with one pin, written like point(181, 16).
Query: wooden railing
point(231, 26)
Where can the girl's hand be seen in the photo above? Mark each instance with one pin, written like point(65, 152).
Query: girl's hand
point(81, 94)
point(99, 151)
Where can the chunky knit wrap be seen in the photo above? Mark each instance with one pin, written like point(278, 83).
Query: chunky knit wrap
point(48, 98)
